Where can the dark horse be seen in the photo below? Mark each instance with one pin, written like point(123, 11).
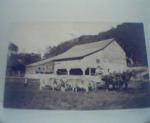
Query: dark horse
point(126, 76)
point(117, 80)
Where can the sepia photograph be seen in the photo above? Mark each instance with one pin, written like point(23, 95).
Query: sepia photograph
point(76, 66)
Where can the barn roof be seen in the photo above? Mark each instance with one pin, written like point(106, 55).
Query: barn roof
point(78, 51)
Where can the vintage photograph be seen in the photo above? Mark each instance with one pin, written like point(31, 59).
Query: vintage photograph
point(76, 66)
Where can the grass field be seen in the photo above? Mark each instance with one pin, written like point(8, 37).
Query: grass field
point(30, 97)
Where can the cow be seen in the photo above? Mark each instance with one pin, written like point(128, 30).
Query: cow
point(70, 84)
point(77, 85)
point(46, 82)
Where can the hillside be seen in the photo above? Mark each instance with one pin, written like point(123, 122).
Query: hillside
point(129, 35)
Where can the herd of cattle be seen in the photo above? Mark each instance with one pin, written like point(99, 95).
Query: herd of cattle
point(111, 81)
point(64, 84)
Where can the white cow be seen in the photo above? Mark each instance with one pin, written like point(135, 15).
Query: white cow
point(78, 85)
point(68, 83)
point(50, 82)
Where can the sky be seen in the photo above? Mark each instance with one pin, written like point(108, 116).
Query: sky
point(37, 36)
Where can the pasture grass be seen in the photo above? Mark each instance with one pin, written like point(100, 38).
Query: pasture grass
point(30, 97)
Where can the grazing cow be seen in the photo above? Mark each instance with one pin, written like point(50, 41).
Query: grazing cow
point(77, 85)
point(49, 82)
point(42, 83)
point(83, 85)
point(62, 85)
point(71, 85)
point(68, 87)
point(57, 85)
point(80, 86)
point(92, 85)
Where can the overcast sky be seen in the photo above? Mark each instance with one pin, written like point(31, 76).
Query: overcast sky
point(37, 36)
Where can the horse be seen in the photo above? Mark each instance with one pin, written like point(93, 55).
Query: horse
point(117, 80)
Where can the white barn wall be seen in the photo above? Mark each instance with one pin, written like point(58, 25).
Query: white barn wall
point(46, 67)
point(112, 57)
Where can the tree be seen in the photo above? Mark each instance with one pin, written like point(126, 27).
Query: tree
point(130, 36)
point(16, 63)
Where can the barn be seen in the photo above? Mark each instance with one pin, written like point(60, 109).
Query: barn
point(100, 57)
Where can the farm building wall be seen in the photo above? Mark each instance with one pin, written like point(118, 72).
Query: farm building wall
point(42, 68)
point(110, 59)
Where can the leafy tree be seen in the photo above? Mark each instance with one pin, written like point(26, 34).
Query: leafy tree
point(130, 36)
point(16, 62)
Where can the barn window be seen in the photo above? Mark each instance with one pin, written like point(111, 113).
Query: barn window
point(38, 70)
point(76, 71)
point(87, 71)
point(62, 72)
point(97, 61)
point(93, 71)
point(41, 70)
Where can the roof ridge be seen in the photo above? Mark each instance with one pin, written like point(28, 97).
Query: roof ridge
point(87, 53)
point(93, 42)
point(59, 57)
point(100, 49)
